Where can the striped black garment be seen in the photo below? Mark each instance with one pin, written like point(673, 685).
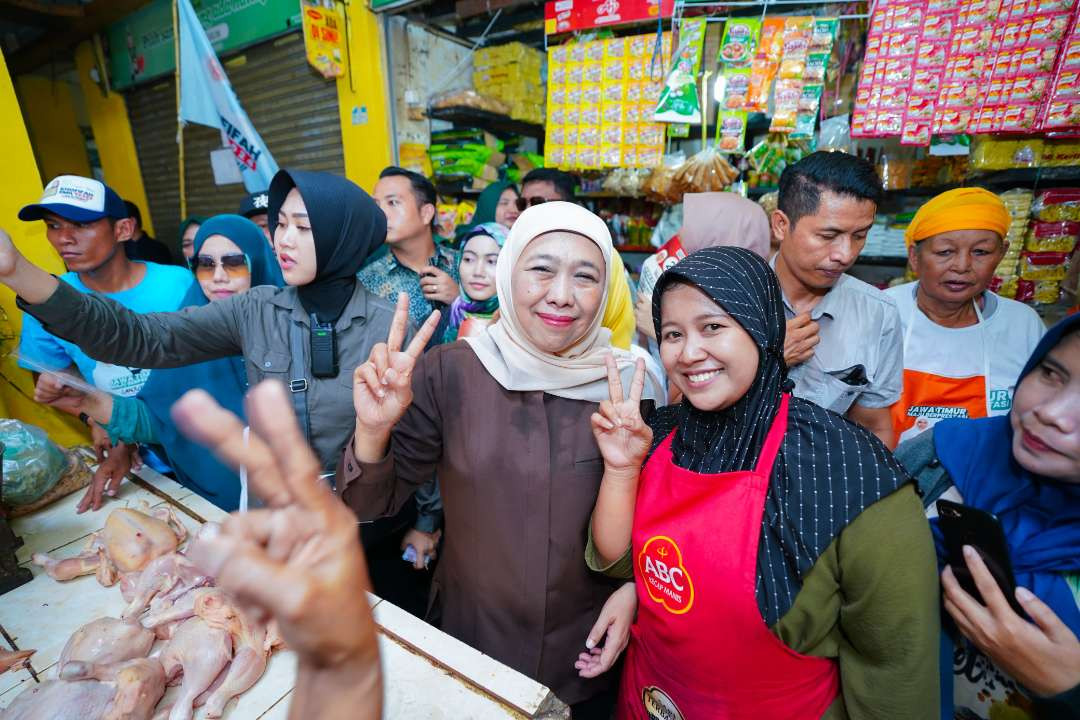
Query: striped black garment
point(828, 469)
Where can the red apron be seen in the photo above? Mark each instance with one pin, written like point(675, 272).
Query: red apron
point(700, 649)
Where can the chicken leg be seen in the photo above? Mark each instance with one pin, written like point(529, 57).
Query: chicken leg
point(200, 653)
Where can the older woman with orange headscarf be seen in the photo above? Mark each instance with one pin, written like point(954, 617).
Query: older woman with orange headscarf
point(964, 345)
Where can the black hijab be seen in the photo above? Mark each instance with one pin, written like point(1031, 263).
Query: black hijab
point(828, 469)
point(347, 227)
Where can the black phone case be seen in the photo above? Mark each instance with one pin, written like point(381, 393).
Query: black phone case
point(964, 525)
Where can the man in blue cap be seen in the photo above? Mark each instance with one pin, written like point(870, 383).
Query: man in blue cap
point(87, 222)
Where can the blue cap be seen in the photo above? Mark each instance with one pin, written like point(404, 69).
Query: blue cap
point(76, 198)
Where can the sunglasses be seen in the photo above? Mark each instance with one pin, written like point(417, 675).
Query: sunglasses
point(524, 203)
point(234, 265)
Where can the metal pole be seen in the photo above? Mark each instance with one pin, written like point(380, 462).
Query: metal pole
point(179, 122)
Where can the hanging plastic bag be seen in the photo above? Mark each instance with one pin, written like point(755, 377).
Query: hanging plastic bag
point(33, 464)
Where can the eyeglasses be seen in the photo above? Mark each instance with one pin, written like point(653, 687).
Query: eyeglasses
point(524, 203)
point(234, 265)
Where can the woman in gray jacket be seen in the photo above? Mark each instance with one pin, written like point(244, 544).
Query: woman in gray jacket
point(310, 334)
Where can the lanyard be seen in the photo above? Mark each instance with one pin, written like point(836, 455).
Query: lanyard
point(917, 313)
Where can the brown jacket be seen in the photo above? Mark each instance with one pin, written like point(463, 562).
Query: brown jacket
point(519, 473)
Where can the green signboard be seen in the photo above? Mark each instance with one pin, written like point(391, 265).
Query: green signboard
point(141, 45)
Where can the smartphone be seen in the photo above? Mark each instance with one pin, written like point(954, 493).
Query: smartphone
point(964, 525)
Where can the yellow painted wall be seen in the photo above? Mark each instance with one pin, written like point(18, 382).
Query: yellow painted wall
point(368, 145)
point(20, 184)
point(50, 119)
point(112, 134)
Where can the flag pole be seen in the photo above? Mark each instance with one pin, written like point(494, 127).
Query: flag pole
point(179, 122)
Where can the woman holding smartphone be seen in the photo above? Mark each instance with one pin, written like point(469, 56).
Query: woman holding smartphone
point(1024, 468)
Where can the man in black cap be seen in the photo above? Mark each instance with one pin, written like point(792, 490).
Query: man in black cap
point(143, 247)
point(253, 207)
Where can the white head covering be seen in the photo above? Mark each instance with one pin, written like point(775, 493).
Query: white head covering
point(512, 358)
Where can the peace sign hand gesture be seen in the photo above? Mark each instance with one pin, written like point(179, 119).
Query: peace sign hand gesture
point(382, 387)
point(623, 437)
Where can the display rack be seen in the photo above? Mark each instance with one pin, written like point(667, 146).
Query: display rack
point(499, 125)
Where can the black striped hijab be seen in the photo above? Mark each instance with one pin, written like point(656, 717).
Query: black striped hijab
point(828, 469)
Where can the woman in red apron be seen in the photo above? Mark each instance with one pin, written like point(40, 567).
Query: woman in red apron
point(781, 561)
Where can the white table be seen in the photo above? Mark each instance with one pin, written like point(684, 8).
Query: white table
point(426, 673)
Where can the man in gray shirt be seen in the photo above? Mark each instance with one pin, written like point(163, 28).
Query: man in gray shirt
point(844, 343)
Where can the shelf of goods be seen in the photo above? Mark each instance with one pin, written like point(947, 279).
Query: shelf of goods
point(496, 124)
point(425, 672)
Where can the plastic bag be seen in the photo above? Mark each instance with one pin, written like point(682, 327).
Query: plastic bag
point(33, 464)
point(707, 171)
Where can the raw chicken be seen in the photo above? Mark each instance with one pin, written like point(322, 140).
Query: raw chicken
point(200, 652)
point(169, 576)
point(14, 659)
point(89, 691)
point(251, 646)
point(166, 614)
point(106, 641)
point(127, 543)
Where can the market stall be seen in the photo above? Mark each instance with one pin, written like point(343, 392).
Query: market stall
point(426, 673)
point(657, 99)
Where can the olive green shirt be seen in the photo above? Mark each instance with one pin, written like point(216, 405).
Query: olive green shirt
point(870, 602)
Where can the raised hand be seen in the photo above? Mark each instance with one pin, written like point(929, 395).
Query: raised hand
point(382, 387)
point(29, 282)
point(9, 255)
point(298, 560)
point(621, 434)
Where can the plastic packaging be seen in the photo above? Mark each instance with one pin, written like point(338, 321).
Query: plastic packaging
point(1057, 205)
point(679, 101)
point(33, 464)
point(1058, 237)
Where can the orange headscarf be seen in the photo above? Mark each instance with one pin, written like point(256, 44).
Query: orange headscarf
point(960, 209)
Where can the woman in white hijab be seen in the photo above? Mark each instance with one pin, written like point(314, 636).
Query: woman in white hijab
point(503, 420)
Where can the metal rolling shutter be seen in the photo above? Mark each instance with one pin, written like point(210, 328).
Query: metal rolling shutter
point(293, 108)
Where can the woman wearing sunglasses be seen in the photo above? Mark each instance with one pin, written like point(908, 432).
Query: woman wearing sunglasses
point(309, 335)
point(229, 257)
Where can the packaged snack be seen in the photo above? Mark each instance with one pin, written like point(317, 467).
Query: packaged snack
point(733, 88)
point(707, 171)
point(823, 33)
point(1025, 291)
point(1047, 292)
point(1061, 114)
point(679, 101)
point(804, 125)
point(1043, 265)
point(594, 51)
point(810, 98)
point(739, 43)
point(1060, 237)
point(1057, 205)
point(731, 131)
point(615, 48)
point(611, 156)
point(816, 64)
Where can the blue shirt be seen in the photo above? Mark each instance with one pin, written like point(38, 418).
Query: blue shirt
point(161, 290)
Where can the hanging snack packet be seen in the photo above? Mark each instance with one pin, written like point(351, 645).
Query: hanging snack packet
point(765, 63)
point(733, 88)
point(731, 131)
point(739, 44)
point(679, 101)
